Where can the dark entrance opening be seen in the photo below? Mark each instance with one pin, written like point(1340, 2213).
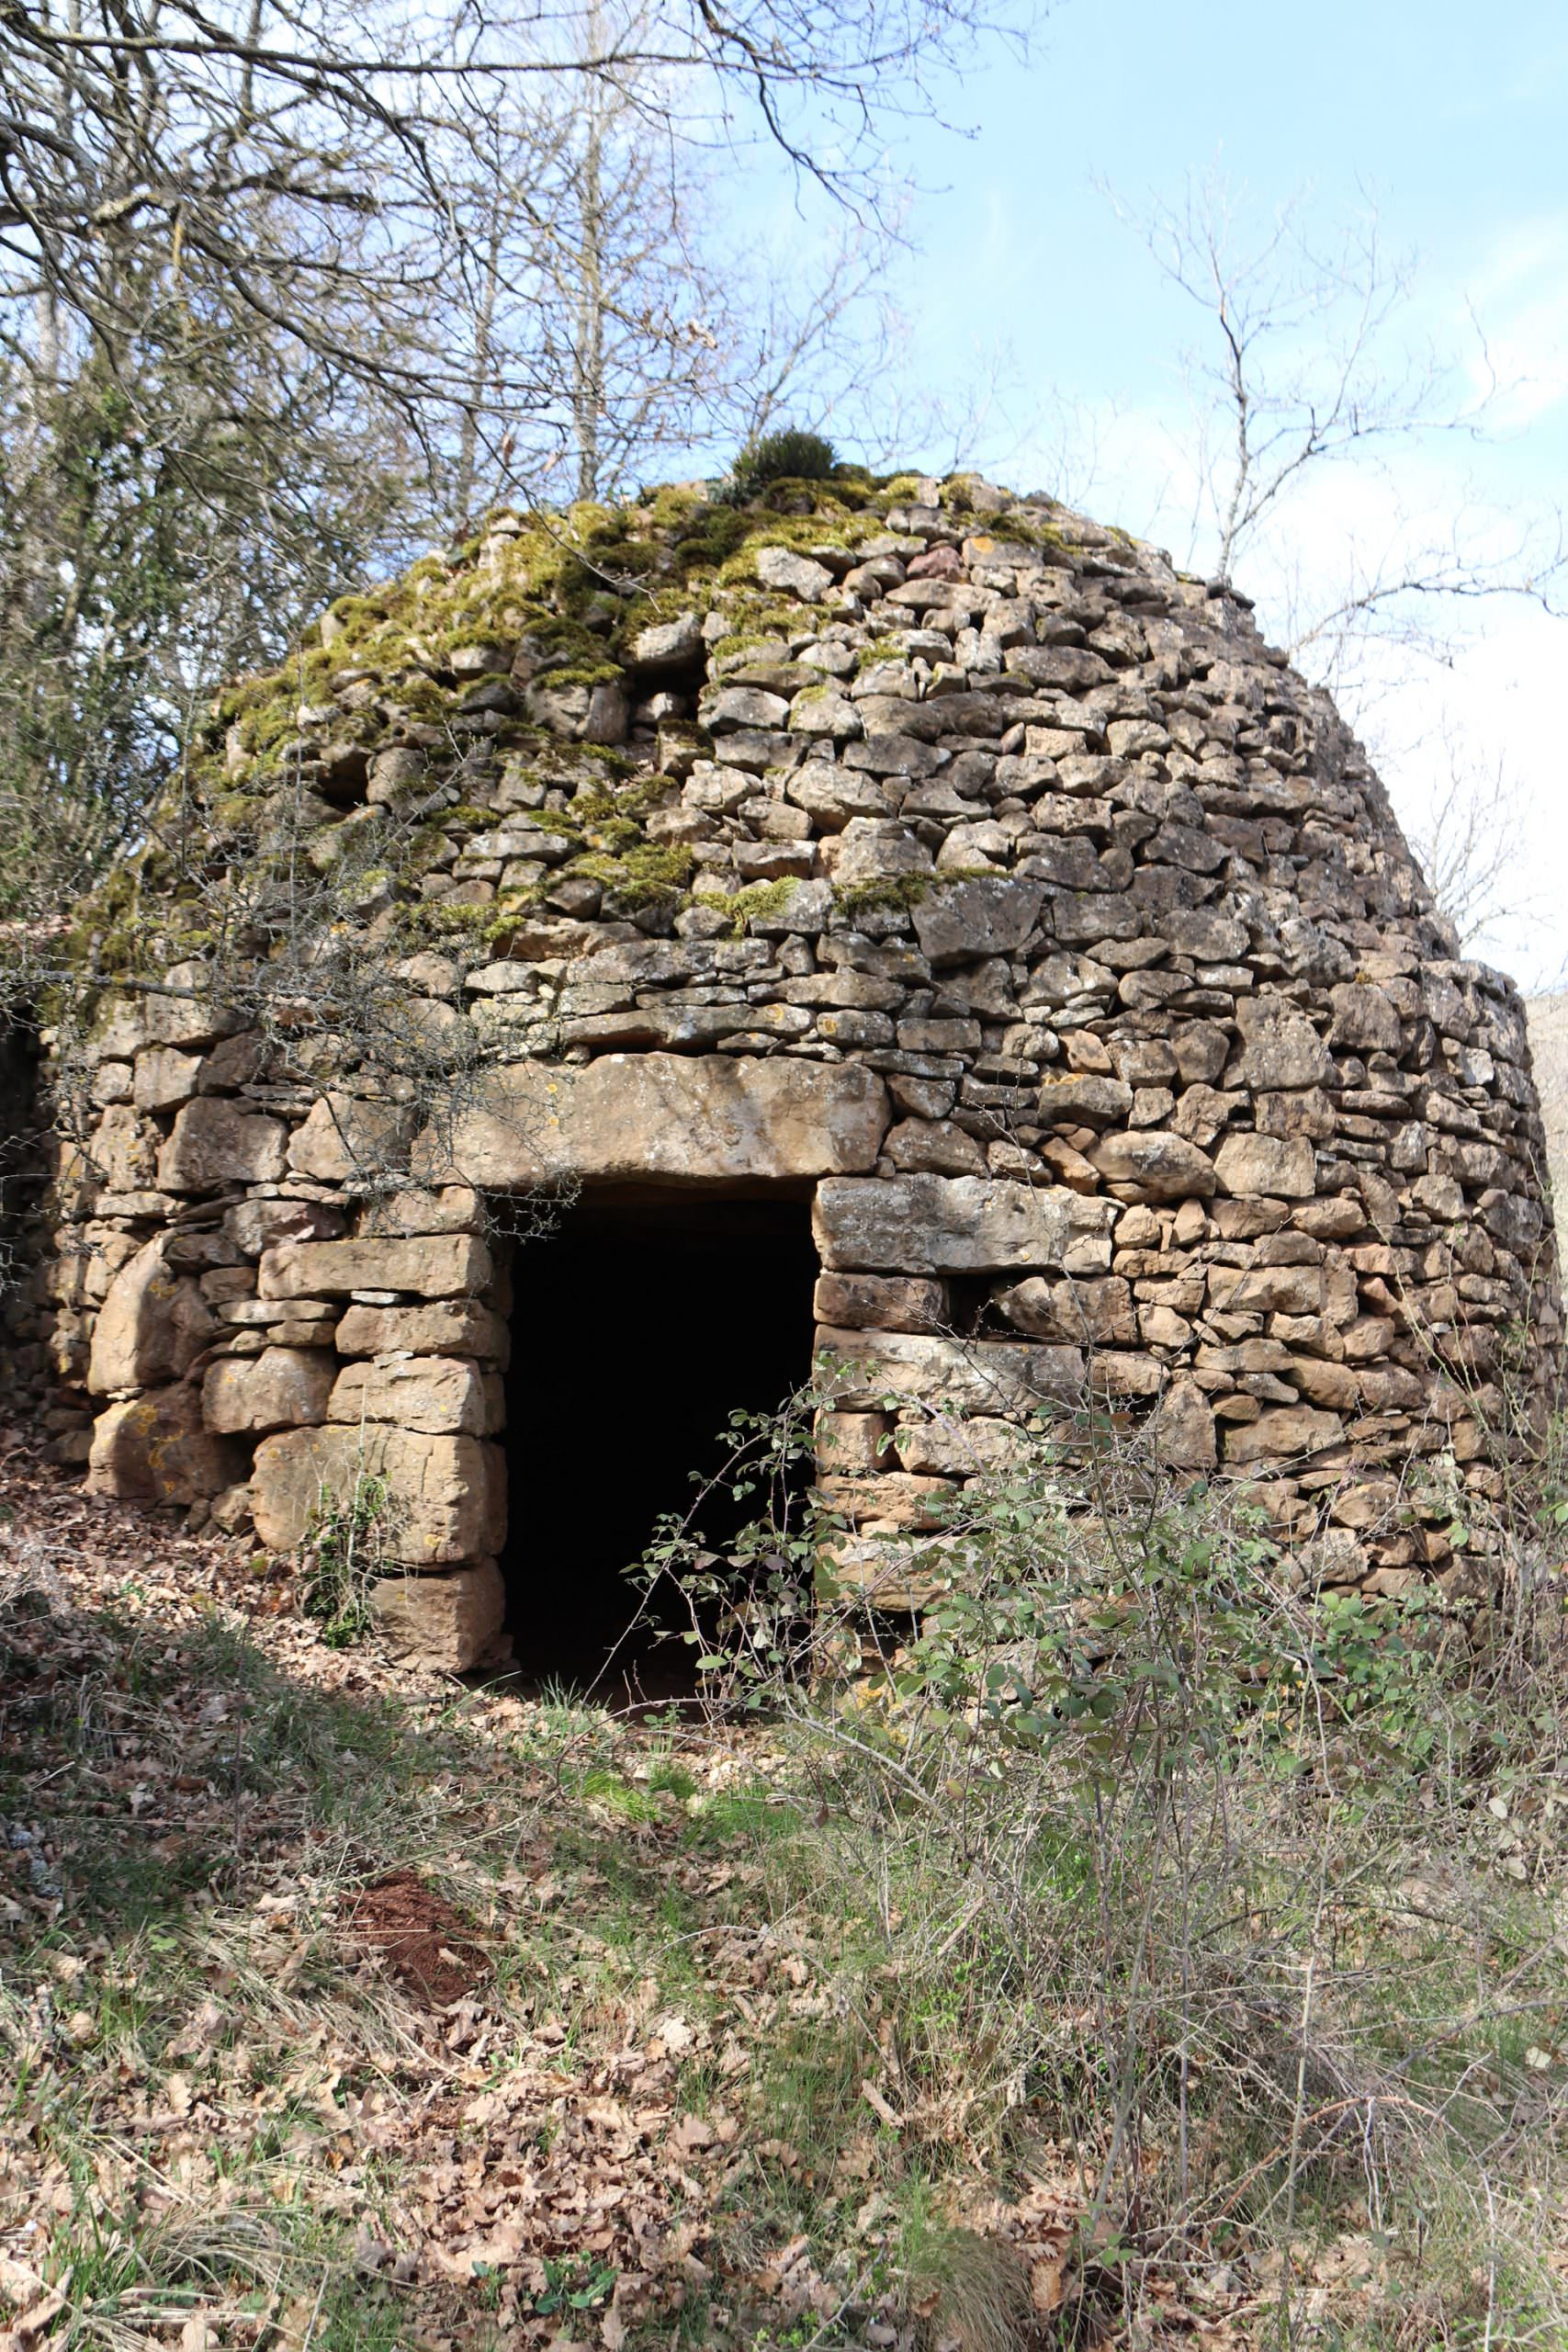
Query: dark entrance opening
point(636, 1329)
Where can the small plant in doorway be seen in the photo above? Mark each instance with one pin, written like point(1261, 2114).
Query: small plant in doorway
point(346, 1549)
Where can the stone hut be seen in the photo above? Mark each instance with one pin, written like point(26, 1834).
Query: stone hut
point(896, 906)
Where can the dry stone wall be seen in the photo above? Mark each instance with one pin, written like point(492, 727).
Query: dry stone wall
point(935, 851)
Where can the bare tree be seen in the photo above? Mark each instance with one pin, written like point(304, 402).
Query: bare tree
point(296, 159)
point(1468, 839)
point(1312, 360)
point(285, 282)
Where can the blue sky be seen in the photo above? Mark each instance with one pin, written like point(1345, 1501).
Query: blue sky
point(1454, 121)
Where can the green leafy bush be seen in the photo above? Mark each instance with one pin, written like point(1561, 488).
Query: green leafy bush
point(779, 457)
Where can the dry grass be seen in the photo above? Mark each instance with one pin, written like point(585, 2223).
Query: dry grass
point(876, 2024)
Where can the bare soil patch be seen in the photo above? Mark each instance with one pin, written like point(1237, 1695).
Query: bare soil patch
point(422, 1938)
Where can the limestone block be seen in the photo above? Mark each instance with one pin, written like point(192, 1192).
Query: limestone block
point(870, 851)
point(254, 1226)
point(668, 646)
point(152, 1326)
point(1151, 1164)
point(854, 1444)
point(1278, 1435)
point(456, 1327)
point(582, 713)
point(1283, 1167)
point(1082, 1314)
point(343, 1137)
point(880, 1302)
point(1364, 1018)
point(1323, 1383)
point(217, 1141)
point(1081, 1099)
point(977, 1447)
point(1117, 1372)
point(986, 915)
point(123, 1150)
point(832, 796)
point(439, 1394)
point(450, 1208)
point(1279, 1047)
point(1267, 1290)
point(278, 1389)
point(892, 1499)
point(190, 1014)
point(438, 1266)
point(933, 1224)
point(900, 1575)
point(165, 1077)
point(448, 1493)
point(1374, 1503)
point(996, 1377)
point(934, 1146)
point(1183, 1428)
point(709, 1118)
point(732, 707)
point(394, 774)
point(781, 567)
point(447, 1622)
point(154, 1449)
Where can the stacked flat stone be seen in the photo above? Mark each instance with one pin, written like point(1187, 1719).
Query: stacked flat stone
point(1091, 988)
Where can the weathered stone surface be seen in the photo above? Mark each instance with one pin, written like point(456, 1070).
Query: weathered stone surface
point(122, 1151)
point(1279, 1047)
point(1080, 1099)
point(456, 1327)
point(934, 1148)
point(154, 1449)
point(1280, 1436)
point(449, 1208)
point(832, 796)
point(281, 1388)
point(343, 1138)
point(894, 1499)
point(438, 1266)
point(854, 1444)
point(977, 1447)
point(165, 1077)
point(1150, 1164)
point(669, 1118)
point(253, 1225)
point(438, 1395)
point(935, 1224)
point(1184, 1432)
point(668, 646)
point(447, 1493)
point(995, 1377)
point(1365, 1018)
point(986, 915)
point(1084, 1314)
point(215, 1141)
point(797, 574)
point(446, 1622)
point(881, 1302)
point(1282, 1166)
point(152, 1325)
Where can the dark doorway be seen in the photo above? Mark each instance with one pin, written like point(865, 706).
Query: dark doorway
point(636, 1329)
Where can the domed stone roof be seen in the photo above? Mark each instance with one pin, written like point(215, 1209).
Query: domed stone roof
point(935, 853)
